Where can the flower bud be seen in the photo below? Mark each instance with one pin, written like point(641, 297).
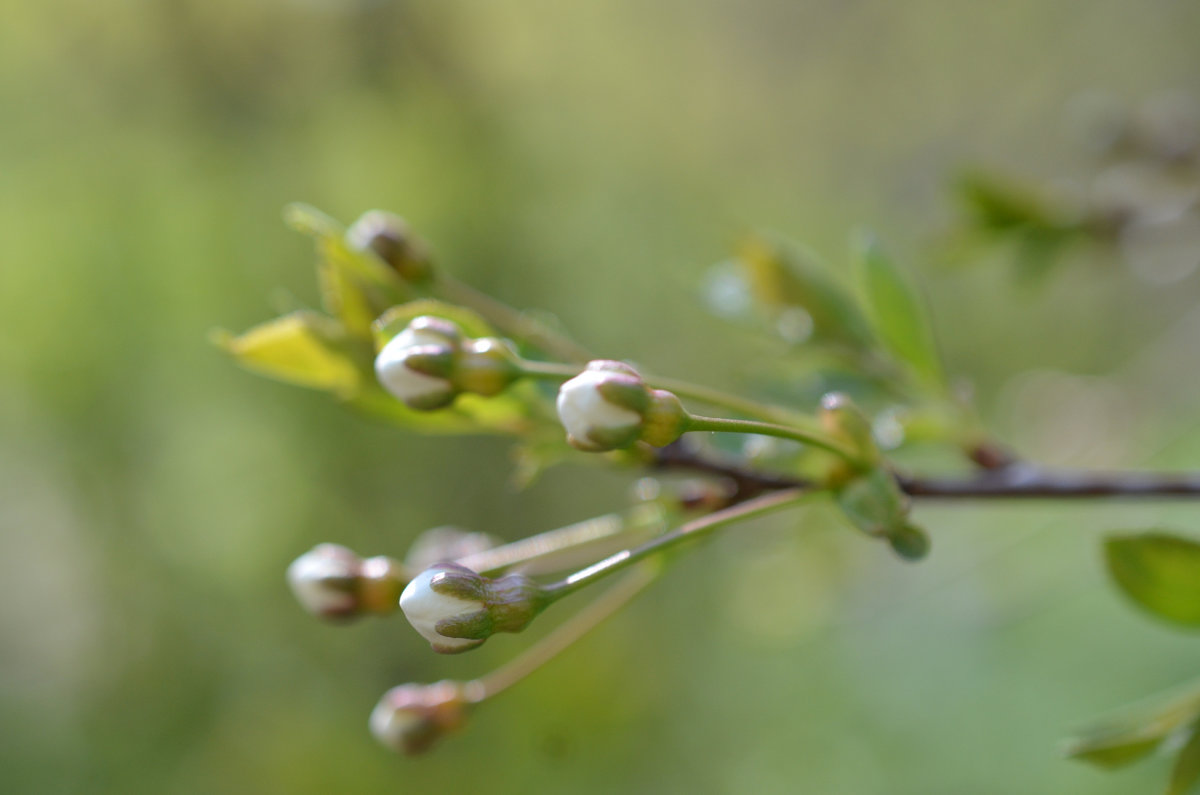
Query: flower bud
point(486, 366)
point(446, 543)
point(845, 421)
point(413, 365)
point(456, 609)
point(388, 237)
point(429, 364)
point(411, 718)
point(334, 583)
point(608, 406)
point(910, 542)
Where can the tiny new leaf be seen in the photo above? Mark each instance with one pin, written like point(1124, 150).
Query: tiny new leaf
point(1137, 730)
point(1186, 771)
point(784, 277)
point(901, 318)
point(302, 348)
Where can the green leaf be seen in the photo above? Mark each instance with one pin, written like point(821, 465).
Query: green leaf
point(1186, 771)
point(901, 318)
point(1158, 571)
point(301, 348)
point(1003, 205)
point(1137, 730)
point(782, 278)
point(509, 413)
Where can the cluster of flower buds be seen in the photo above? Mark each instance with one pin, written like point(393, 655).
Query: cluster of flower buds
point(608, 407)
point(389, 238)
point(411, 718)
point(456, 609)
point(430, 363)
point(333, 583)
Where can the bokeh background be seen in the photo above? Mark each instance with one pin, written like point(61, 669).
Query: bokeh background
point(594, 159)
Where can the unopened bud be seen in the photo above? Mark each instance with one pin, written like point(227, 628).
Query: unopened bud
point(334, 583)
point(910, 542)
point(389, 238)
point(407, 366)
point(430, 363)
point(446, 543)
point(608, 407)
point(845, 421)
point(411, 718)
point(456, 609)
point(486, 366)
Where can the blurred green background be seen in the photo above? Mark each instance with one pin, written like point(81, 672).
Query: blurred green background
point(593, 159)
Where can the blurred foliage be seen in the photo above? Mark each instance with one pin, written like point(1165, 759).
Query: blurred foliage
point(1139, 202)
point(1160, 572)
point(591, 159)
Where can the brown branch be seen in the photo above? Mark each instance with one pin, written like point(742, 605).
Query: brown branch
point(1026, 481)
point(1015, 481)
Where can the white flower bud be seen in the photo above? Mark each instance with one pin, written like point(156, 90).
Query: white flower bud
point(325, 581)
point(429, 363)
point(608, 407)
point(410, 718)
point(456, 609)
point(388, 236)
point(425, 607)
point(402, 366)
point(332, 582)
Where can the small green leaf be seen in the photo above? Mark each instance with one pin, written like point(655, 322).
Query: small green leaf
point(1186, 771)
point(900, 316)
point(301, 348)
point(1002, 205)
point(782, 278)
point(508, 413)
point(1158, 571)
point(1137, 730)
point(1115, 751)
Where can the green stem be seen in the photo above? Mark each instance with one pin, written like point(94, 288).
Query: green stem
point(512, 322)
point(544, 547)
point(697, 528)
point(564, 635)
point(812, 438)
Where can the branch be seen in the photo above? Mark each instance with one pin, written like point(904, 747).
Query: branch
point(1026, 481)
point(1016, 481)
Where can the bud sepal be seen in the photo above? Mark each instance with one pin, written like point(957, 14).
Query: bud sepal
point(430, 363)
point(609, 407)
point(456, 609)
point(410, 718)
